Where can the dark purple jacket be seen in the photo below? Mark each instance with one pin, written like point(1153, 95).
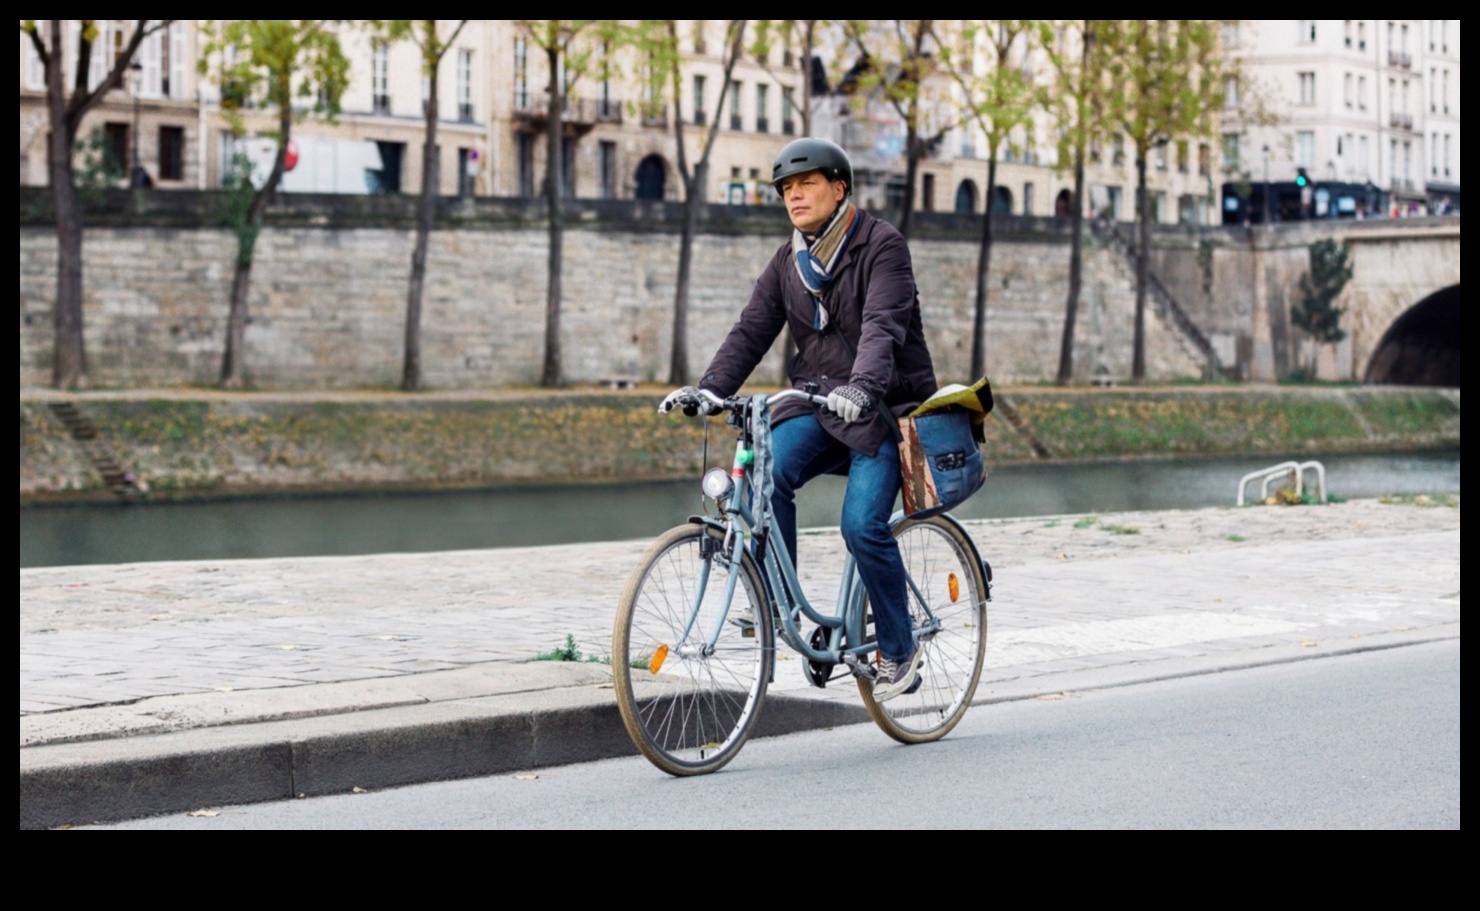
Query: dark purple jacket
point(873, 338)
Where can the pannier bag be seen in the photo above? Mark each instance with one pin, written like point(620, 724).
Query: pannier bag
point(940, 458)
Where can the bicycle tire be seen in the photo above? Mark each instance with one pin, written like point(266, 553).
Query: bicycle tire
point(688, 712)
point(934, 550)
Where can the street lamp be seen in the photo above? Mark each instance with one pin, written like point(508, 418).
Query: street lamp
point(137, 176)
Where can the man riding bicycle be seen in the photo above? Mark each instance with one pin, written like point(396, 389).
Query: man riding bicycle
point(845, 286)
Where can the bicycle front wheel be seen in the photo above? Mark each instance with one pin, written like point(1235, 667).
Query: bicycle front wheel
point(689, 707)
point(945, 573)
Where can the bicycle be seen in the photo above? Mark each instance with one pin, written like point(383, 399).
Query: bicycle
point(693, 649)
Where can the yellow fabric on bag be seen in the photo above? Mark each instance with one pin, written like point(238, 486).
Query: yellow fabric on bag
point(976, 399)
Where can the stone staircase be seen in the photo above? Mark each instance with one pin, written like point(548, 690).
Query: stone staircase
point(1119, 238)
point(105, 461)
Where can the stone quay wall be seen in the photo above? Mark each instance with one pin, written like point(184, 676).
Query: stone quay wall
point(329, 286)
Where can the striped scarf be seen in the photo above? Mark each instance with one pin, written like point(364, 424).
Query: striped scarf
point(815, 260)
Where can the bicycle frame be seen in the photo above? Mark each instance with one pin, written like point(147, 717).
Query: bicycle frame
point(845, 629)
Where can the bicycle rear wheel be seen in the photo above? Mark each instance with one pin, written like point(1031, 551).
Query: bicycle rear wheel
point(687, 708)
point(946, 573)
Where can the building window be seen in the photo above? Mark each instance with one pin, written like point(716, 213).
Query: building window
point(1182, 155)
point(762, 121)
point(1230, 92)
point(1204, 159)
point(1307, 88)
point(1027, 199)
point(788, 111)
point(116, 135)
point(465, 85)
point(380, 61)
point(927, 193)
point(171, 153)
point(1159, 155)
point(1346, 33)
point(1230, 152)
point(1230, 34)
point(521, 74)
point(1307, 31)
point(1361, 35)
point(734, 105)
point(1362, 93)
point(1305, 149)
point(608, 170)
point(1346, 89)
point(700, 118)
point(700, 46)
point(35, 69)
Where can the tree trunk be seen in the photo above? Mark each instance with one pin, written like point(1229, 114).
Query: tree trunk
point(678, 365)
point(411, 366)
point(553, 375)
point(1143, 219)
point(69, 358)
point(236, 320)
point(233, 359)
point(983, 267)
point(1076, 262)
point(911, 171)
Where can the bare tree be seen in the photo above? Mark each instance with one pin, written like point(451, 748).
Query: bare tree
point(1000, 99)
point(1075, 106)
point(65, 113)
point(1163, 80)
point(896, 58)
point(268, 62)
point(573, 48)
point(426, 35)
point(660, 43)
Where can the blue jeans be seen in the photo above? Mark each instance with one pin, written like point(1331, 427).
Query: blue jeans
point(802, 451)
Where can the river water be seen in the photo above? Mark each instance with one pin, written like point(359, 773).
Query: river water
point(462, 520)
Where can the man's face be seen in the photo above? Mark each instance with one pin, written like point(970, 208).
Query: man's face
point(811, 199)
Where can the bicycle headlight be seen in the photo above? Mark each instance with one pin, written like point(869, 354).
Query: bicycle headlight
point(716, 484)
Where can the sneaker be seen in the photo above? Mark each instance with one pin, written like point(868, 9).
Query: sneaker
point(898, 678)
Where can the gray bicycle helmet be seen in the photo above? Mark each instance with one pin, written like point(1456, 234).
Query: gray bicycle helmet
point(808, 154)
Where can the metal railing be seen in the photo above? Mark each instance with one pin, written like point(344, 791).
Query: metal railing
point(1292, 473)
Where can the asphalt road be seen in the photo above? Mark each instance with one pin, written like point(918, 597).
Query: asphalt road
point(1359, 741)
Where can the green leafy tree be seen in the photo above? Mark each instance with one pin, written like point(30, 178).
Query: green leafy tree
point(1316, 313)
point(1163, 80)
point(433, 38)
point(1000, 100)
point(65, 109)
point(1075, 101)
point(573, 49)
point(659, 43)
point(267, 63)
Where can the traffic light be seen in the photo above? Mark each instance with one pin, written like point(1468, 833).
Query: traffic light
point(1300, 179)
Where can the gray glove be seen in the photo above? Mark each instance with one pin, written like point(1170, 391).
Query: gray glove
point(849, 402)
point(689, 400)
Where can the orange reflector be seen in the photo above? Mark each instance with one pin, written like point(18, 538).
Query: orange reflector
point(954, 585)
point(658, 658)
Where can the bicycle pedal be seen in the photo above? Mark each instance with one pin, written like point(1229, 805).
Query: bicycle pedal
point(746, 622)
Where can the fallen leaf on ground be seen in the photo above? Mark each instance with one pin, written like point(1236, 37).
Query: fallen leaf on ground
point(204, 813)
point(525, 777)
point(1051, 697)
point(358, 790)
point(1308, 643)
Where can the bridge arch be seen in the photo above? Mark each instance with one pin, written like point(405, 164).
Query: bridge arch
point(1421, 347)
